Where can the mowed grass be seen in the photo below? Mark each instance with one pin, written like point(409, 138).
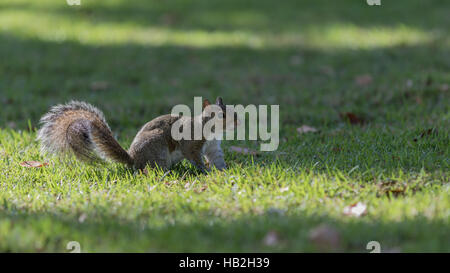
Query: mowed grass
point(135, 60)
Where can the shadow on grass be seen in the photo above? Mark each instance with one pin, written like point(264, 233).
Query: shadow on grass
point(254, 15)
point(141, 82)
point(48, 232)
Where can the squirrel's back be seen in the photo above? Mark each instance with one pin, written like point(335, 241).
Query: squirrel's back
point(81, 128)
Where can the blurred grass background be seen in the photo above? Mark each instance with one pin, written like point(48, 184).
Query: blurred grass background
point(161, 53)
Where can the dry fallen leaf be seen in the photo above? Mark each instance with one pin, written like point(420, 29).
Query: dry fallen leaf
point(363, 80)
point(395, 192)
point(241, 150)
point(357, 209)
point(429, 81)
point(7, 101)
point(444, 87)
point(391, 188)
point(306, 129)
point(428, 132)
point(33, 164)
point(352, 118)
point(201, 189)
point(271, 238)
point(325, 237)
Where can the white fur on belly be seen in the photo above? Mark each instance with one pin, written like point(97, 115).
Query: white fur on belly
point(175, 157)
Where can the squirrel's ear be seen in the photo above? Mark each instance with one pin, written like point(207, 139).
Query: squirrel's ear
point(205, 103)
point(219, 101)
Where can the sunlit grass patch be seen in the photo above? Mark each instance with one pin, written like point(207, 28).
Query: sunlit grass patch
point(349, 36)
point(53, 27)
point(59, 28)
point(91, 203)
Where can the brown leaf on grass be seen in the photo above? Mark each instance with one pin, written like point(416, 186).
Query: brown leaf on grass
point(427, 132)
point(363, 80)
point(324, 238)
point(7, 101)
point(99, 85)
point(444, 87)
point(391, 188)
point(395, 192)
point(242, 150)
point(306, 129)
point(272, 238)
point(387, 183)
point(352, 118)
point(33, 164)
point(429, 81)
point(201, 189)
point(358, 209)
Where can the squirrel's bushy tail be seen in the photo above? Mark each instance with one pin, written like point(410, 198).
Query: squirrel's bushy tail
point(81, 128)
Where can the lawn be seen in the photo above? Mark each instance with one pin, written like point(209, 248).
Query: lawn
point(374, 82)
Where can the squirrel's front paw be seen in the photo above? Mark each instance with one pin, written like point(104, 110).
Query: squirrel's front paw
point(205, 170)
point(220, 167)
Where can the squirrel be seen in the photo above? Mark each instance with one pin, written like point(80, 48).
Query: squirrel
point(81, 128)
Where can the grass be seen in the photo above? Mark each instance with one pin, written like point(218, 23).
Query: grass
point(148, 56)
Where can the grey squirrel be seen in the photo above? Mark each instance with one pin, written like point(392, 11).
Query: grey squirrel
point(81, 128)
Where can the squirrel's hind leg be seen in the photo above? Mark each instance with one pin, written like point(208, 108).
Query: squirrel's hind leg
point(150, 149)
point(195, 158)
